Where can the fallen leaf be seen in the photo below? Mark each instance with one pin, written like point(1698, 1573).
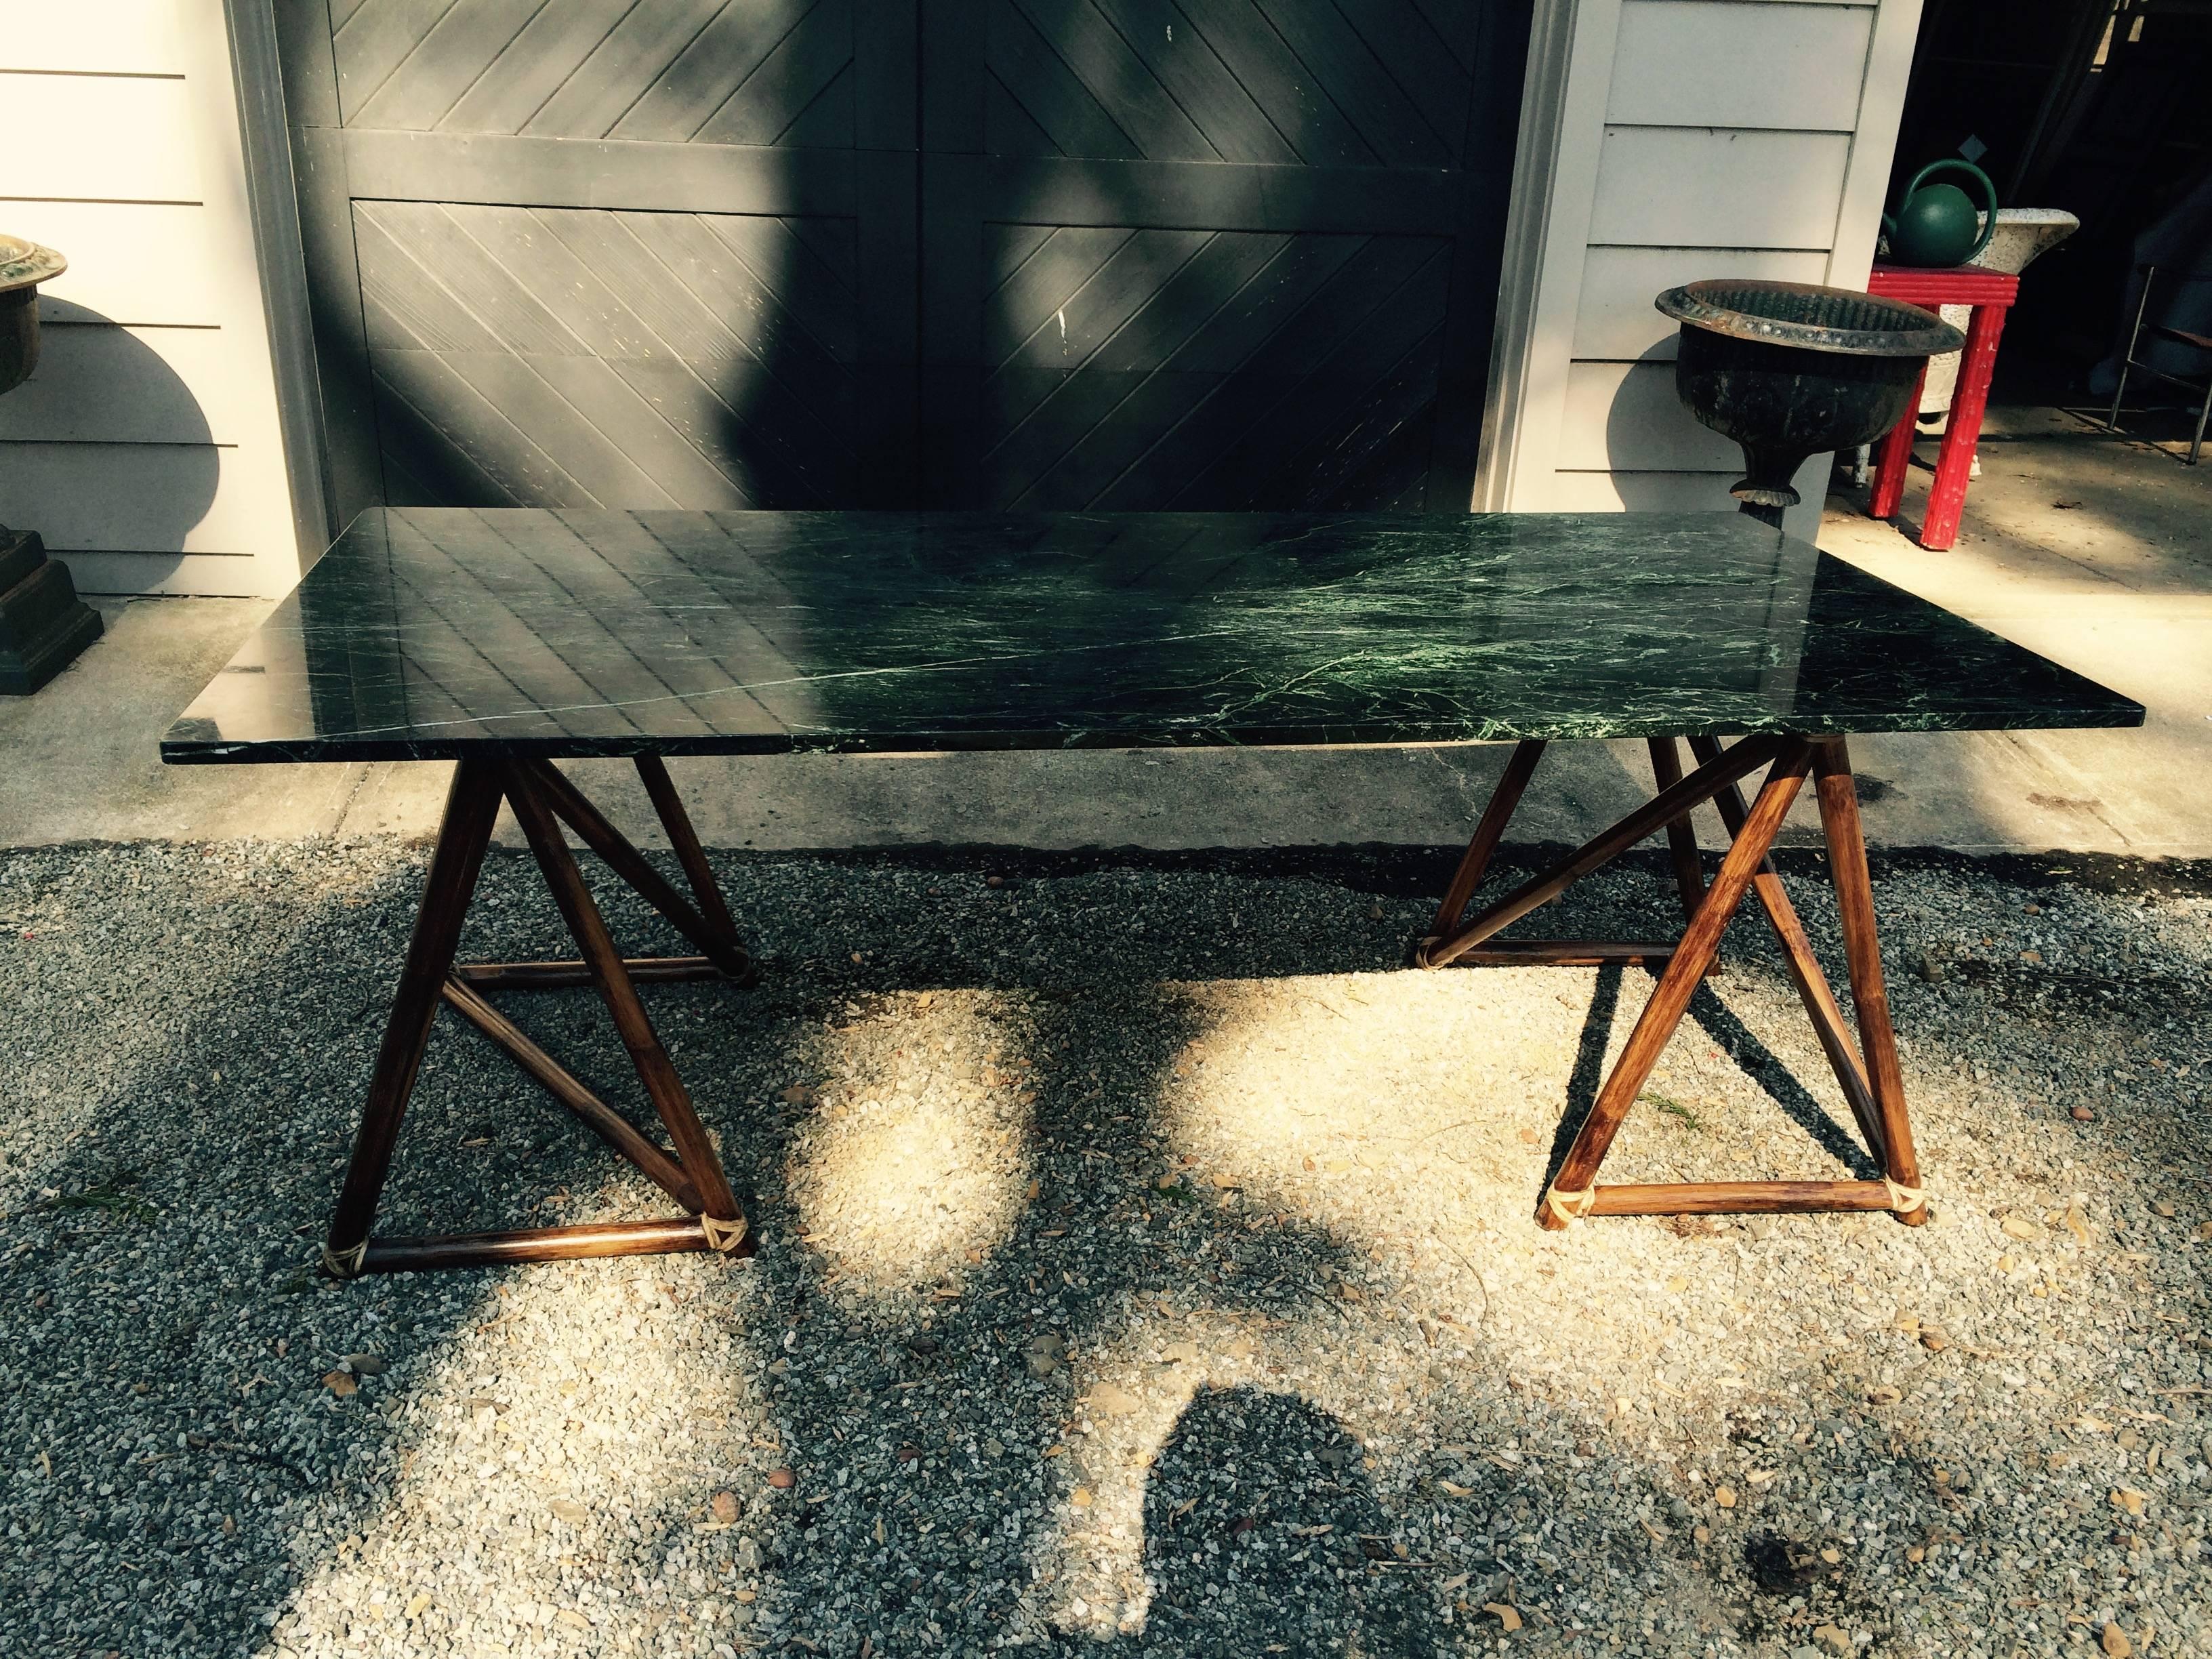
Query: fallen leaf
point(2020, 1227)
point(1109, 1400)
point(2159, 1206)
point(1079, 1499)
point(569, 1510)
point(1509, 1616)
point(1832, 1555)
point(1838, 1640)
point(1884, 1396)
point(1035, 1187)
point(879, 1529)
point(1703, 1534)
point(340, 1383)
point(570, 1616)
point(2114, 1641)
point(1916, 1553)
point(744, 1595)
point(782, 1479)
point(1934, 1340)
point(1456, 1581)
point(725, 1505)
point(1225, 1182)
point(1725, 1497)
point(2128, 1498)
point(2077, 1224)
point(1455, 1489)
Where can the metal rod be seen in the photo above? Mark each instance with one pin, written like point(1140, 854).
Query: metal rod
point(1564, 953)
point(1806, 973)
point(1738, 1197)
point(1681, 836)
point(1489, 831)
point(668, 805)
point(471, 808)
point(1847, 865)
point(670, 1098)
point(626, 861)
point(1670, 998)
point(560, 975)
point(1745, 756)
point(657, 1163)
point(492, 1249)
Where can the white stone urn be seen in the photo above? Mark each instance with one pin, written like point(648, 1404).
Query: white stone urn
point(2022, 235)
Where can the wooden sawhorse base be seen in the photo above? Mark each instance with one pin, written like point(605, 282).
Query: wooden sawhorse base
point(1868, 1069)
point(689, 1170)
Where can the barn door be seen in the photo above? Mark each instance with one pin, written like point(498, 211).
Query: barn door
point(1053, 253)
point(1213, 253)
point(614, 252)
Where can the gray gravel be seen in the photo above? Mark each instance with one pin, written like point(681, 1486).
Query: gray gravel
point(1146, 1254)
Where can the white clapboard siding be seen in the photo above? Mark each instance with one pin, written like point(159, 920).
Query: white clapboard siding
point(1783, 66)
point(1626, 415)
point(139, 498)
point(1691, 138)
point(1719, 186)
point(1642, 492)
point(1617, 320)
point(93, 37)
point(101, 138)
point(136, 264)
point(146, 447)
point(98, 384)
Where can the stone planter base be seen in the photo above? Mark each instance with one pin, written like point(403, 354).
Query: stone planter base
point(43, 623)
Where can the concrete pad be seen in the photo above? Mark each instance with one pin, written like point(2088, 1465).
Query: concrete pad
point(81, 762)
point(2096, 552)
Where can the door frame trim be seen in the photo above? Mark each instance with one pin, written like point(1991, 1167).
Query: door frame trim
point(1564, 93)
point(273, 201)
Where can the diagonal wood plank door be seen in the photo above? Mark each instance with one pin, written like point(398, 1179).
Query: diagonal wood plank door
point(609, 253)
point(1052, 253)
point(1213, 253)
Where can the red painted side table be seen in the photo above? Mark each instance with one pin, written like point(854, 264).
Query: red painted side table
point(1990, 292)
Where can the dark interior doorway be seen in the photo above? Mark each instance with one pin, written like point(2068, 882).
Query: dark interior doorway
point(1045, 253)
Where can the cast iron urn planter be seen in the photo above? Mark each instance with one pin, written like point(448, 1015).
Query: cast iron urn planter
point(1789, 369)
point(43, 623)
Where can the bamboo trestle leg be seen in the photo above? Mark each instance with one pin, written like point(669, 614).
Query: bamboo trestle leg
point(1867, 1068)
point(689, 1170)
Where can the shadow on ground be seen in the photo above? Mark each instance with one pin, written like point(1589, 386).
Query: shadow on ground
point(1145, 1258)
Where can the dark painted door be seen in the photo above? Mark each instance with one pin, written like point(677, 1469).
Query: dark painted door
point(612, 252)
point(1122, 253)
point(1239, 254)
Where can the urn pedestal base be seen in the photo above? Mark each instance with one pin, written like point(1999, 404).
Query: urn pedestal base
point(43, 623)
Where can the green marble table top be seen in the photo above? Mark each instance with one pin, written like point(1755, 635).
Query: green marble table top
point(432, 633)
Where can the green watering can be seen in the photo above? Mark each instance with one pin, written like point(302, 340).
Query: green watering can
point(1936, 225)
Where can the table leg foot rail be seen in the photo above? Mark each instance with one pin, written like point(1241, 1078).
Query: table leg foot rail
point(492, 1249)
point(1721, 1198)
point(563, 975)
point(1552, 953)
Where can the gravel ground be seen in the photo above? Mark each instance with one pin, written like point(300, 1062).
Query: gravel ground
point(1145, 1256)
